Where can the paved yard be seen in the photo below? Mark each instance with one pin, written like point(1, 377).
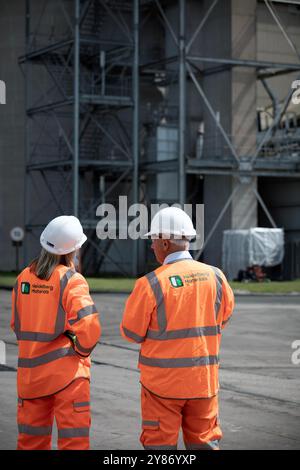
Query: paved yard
point(260, 387)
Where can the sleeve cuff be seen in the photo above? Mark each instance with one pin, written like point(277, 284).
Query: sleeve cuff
point(131, 335)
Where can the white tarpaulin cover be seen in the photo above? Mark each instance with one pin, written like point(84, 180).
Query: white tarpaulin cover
point(244, 248)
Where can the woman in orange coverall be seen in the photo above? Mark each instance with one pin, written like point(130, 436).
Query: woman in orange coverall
point(57, 327)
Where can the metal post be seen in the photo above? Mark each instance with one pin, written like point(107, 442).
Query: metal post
point(27, 135)
point(135, 129)
point(76, 108)
point(17, 257)
point(102, 67)
point(182, 103)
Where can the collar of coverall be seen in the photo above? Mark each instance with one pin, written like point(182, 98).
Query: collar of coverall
point(177, 256)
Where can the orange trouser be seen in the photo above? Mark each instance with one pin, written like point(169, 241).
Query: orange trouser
point(163, 418)
point(71, 408)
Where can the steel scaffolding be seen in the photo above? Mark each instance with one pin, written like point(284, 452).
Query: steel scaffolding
point(76, 134)
point(74, 119)
point(190, 70)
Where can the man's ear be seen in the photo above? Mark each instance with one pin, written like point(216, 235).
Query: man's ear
point(166, 244)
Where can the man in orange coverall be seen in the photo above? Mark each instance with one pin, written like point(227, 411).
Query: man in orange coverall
point(177, 313)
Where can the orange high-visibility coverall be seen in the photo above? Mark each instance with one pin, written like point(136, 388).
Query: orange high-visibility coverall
point(177, 313)
point(53, 368)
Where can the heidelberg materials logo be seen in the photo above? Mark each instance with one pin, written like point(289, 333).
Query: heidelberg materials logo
point(2, 92)
point(25, 288)
point(176, 281)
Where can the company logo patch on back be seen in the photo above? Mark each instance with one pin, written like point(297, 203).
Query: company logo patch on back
point(25, 287)
point(176, 281)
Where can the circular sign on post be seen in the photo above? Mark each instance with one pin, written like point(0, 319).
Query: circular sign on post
point(17, 234)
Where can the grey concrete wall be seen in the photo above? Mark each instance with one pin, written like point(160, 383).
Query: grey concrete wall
point(235, 28)
point(216, 38)
point(243, 127)
point(272, 46)
point(233, 94)
point(12, 33)
point(243, 79)
point(217, 190)
point(282, 196)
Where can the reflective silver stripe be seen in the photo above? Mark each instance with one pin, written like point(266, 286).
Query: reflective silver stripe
point(85, 311)
point(73, 432)
point(35, 336)
point(45, 358)
point(132, 335)
point(35, 430)
point(211, 445)
point(219, 294)
point(159, 297)
point(17, 318)
point(179, 362)
point(79, 404)
point(83, 350)
point(185, 333)
point(150, 423)
point(60, 316)
point(163, 447)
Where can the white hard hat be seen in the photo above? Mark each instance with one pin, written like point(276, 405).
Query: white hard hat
point(63, 235)
point(171, 222)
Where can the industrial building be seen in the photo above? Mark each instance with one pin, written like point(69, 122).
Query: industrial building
point(165, 101)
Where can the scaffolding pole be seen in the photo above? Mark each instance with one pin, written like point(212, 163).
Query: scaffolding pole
point(182, 103)
point(27, 134)
point(76, 109)
point(135, 129)
point(68, 54)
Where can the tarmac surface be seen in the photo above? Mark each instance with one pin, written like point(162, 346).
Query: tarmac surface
point(260, 385)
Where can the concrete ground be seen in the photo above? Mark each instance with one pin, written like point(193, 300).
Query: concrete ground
point(260, 386)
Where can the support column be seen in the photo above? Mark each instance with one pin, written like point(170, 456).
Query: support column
point(182, 102)
point(76, 109)
point(232, 92)
point(27, 70)
point(135, 136)
point(243, 102)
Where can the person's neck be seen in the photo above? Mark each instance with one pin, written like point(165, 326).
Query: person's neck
point(175, 250)
point(171, 252)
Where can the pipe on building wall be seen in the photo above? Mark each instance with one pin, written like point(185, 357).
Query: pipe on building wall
point(76, 108)
point(182, 102)
point(135, 129)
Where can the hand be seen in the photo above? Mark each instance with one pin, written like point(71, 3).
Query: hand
point(71, 336)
